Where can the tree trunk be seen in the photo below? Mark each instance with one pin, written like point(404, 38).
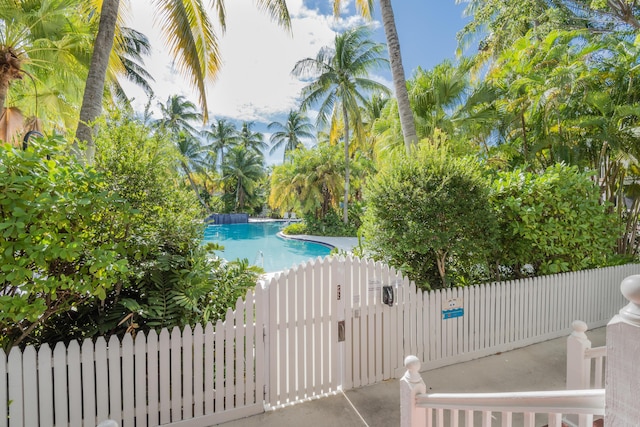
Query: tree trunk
point(345, 208)
point(397, 72)
point(186, 170)
point(94, 88)
point(4, 89)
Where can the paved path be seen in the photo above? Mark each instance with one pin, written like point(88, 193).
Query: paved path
point(536, 367)
point(344, 243)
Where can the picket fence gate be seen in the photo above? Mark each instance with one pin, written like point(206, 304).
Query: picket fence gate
point(313, 330)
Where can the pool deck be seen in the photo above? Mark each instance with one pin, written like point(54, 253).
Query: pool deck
point(343, 243)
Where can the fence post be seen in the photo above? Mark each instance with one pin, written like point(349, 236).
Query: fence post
point(411, 384)
point(578, 367)
point(623, 372)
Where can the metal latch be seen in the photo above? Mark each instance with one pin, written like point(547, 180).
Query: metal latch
point(341, 330)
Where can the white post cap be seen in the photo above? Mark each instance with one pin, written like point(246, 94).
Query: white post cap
point(630, 288)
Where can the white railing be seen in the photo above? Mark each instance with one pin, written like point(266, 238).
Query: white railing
point(487, 409)
point(617, 403)
point(585, 365)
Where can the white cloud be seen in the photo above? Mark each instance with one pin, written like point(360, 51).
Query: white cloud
point(255, 82)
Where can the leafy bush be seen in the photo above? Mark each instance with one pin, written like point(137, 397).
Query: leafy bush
point(64, 237)
point(295, 228)
point(330, 225)
point(429, 216)
point(105, 249)
point(552, 222)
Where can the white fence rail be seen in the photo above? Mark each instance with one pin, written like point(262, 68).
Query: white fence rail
point(585, 365)
point(507, 409)
point(304, 333)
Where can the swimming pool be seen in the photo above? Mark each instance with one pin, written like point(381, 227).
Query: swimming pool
point(257, 242)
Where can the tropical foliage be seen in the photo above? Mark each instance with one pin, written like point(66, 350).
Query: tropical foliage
point(551, 223)
point(429, 215)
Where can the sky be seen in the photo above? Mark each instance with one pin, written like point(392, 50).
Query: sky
point(255, 82)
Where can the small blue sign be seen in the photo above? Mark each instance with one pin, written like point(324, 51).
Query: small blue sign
point(452, 313)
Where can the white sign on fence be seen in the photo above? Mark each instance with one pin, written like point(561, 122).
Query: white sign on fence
point(453, 308)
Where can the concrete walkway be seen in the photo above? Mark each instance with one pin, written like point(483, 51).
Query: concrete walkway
point(536, 367)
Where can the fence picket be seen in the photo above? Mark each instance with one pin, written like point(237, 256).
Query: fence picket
point(306, 359)
point(115, 379)
point(346, 302)
point(300, 332)
point(358, 326)
point(317, 328)
point(102, 380)
point(239, 320)
point(60, 386)
point(88, 384)
point(261, 310)
point(30, 382)
point(220, 369)
point(292, 336)
point(250, 320)
point(128, 381)
point(187, 376)
point(140, 380)
point(14, 368)
point(210, 370)
point(153, 378)
point(164, 383)
point(199, 379)
point(328, 328)
point(373, 289)
point(74, 386)
point(229, 374)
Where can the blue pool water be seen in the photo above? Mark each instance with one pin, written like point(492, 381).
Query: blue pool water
point(258, 243)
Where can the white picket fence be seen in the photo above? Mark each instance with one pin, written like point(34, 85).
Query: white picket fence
point(307, 332)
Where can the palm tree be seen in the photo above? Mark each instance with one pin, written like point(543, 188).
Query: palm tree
point(339, 79)
point(290, 133)
point(243, 169)
point(131, 46)
point(177, 115)
point(191, 40)
point(222, 134)
point(397, 70)
point(190, 156)
point(33, 37)
point(250, 140)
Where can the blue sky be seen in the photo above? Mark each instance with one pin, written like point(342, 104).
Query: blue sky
point(255, 83)
point(427, 31)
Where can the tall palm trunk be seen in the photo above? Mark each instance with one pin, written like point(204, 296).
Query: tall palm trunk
point(345, 207)
point(94, 88)
point(397, 72)
point(186, 170)
point(10, 69)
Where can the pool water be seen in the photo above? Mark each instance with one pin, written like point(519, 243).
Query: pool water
point(259, 244)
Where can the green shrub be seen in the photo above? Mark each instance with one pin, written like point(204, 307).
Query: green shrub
point(429, 216)
point(108, 249)
point(295, 228)
point(64, 237)
point(552, 223)
point(330, 225)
